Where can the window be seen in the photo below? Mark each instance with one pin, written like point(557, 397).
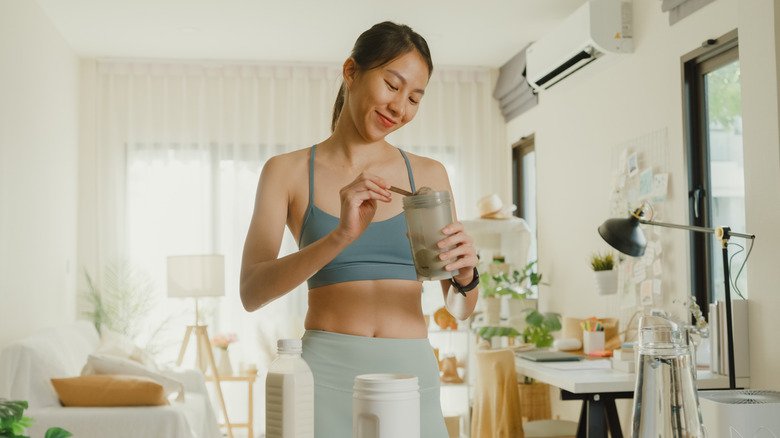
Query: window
point(716, 180)
point(524, 185)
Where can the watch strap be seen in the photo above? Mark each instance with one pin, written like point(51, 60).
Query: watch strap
point(463, 289)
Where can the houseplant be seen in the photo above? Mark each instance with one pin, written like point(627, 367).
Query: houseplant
point(539, 327)
point(497, 285)
point(603, 265)
point(122, 300)
point(13, 422)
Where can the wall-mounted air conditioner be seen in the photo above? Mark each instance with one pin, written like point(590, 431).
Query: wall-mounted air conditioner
point(598, 27)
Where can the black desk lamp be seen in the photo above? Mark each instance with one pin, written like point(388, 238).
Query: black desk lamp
point(625, 235)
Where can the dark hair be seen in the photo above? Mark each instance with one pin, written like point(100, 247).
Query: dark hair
point(379, 45)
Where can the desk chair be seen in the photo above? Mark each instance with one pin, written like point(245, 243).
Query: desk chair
point(496, 412)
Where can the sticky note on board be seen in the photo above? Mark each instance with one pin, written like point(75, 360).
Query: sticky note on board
point(649, 254)
point(657, 287)
point(660, 186)
point(622, 161)
point(646, 183)
point(658, 268)
point(646, 292)
point(640, 271)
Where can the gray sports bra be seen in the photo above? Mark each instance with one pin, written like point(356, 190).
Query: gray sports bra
point(381, 252)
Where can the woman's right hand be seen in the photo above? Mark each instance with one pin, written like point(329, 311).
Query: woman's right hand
point(359, 203)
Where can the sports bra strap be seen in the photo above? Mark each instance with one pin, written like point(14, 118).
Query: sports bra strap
point(311, 176)
point(409, 170)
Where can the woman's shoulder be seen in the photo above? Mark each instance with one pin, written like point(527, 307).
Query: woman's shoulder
point(289, 161)
point(425, 164)
point(428, 172)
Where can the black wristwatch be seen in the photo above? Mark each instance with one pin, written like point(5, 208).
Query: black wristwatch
point(463, 289)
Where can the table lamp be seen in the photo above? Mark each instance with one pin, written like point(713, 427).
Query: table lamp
point(625, 235)
point(196, 276)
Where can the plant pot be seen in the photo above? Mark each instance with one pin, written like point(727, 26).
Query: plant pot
point(516, 314)
point(492, 307)
point(606, 282)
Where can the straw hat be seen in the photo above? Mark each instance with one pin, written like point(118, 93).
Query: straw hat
point(491, 207)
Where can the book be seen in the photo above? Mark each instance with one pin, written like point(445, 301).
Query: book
point(623, 354)
point(715, 353)
point(719, 338)
point(626, 366)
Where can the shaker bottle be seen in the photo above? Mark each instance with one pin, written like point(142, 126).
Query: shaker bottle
point(426, 215)
point(386, 406)
point(666, 400)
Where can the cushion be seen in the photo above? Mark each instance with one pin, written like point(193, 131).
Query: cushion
point(108, 364)
point(117, 344)
point(109, 390)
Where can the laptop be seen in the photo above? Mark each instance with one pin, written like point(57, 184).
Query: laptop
point(549, 356)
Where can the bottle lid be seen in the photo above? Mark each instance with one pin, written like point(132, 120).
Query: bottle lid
point(431, 199)
point(656, 332)
point(289, 346)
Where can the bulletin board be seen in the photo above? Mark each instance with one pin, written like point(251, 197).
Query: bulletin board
point(640, 175)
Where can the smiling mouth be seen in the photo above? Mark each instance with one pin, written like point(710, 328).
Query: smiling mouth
point(385, 121)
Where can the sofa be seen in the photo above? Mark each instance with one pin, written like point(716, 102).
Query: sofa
point(28, 365)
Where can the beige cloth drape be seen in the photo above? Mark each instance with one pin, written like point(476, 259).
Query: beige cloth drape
point(496, 411)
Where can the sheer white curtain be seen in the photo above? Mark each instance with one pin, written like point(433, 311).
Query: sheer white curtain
point(181, 146)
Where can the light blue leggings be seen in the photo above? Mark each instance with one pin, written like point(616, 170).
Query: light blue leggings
point(335, 359)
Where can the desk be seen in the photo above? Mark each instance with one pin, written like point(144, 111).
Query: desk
point(598, 388)
point(250, 380)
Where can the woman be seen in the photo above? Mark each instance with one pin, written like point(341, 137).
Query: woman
point(365, 312)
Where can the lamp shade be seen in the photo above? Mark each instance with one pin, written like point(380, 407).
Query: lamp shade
point(625, 235)
point(196, 276)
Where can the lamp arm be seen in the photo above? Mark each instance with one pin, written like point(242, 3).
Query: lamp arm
point(681, 227)
point(720, 231)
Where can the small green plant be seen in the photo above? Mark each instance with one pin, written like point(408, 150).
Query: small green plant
point(13, 422)
point(602, 261)
point(539, 326)
point(505, 284)
point(123, 301)
point(487, 332)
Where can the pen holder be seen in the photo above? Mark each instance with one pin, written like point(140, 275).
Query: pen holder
point(592, 341)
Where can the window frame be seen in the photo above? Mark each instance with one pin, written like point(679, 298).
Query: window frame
point(713, 54)
point(520, 149)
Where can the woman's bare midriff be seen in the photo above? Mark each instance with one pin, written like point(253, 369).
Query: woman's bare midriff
point(373, 308)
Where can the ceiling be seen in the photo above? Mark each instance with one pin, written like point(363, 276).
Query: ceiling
point(459, 32)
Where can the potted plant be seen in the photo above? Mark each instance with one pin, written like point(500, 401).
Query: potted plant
point(516, 286)
point(603, 264)
point(539, 327)
point(487, 332)
point(13, 422)
point(491, 300)
point(519, 286)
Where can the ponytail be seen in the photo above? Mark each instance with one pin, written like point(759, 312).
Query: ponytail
point(337, 106)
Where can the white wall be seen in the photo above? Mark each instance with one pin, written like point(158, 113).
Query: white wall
point(38, 172)
point(579, 121)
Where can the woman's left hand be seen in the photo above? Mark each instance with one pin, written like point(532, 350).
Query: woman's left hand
point(463, 251)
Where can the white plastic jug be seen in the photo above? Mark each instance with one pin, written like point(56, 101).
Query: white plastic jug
point(386, 406)
point(289, 394)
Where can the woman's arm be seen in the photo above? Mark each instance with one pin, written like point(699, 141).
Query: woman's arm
point(265, 276)
point(464, 252)
point(459, 306)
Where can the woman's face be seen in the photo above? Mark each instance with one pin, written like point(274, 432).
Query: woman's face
point(383, 99)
